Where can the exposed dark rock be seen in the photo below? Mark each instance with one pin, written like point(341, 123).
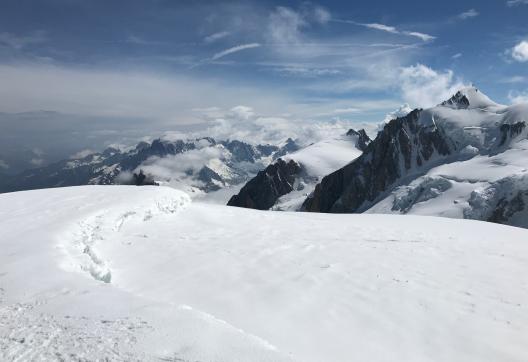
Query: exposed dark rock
point(208, 176)
point(363, 139)
point(458, 101)
point(289, 147)
point(241, 151)
point(244, 152)
point(266, 150)
point(383, 163)
point(263, 190)
point(142, 145)
point(506, 208)
point(509, 131)
point(140, 179)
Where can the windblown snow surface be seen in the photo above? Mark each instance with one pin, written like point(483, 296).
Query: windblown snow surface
point(128, 273)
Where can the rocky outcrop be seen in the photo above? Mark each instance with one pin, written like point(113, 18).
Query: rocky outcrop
point(301, 180)
point(363, 140)
point(509, 131)
point(458, 101)
point(289, 146)
point(263, 190)
point(501, 201)
point(244, 152)
point(420, 190)
point(402, 146)
point(140, 179)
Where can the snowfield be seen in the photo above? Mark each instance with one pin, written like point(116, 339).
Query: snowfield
point(142, 273)
point(317, 160)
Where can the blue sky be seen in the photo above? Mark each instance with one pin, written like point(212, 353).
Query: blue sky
point(178, 62)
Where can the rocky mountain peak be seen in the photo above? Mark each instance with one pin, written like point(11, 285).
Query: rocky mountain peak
point(363, 140)
point(263, 190)
point(469, 98)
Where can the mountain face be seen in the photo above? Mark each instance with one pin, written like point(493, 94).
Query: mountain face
point(402, 146)
point(212, 165)
point(465, 158)
point(284, 184)
point(262, 191)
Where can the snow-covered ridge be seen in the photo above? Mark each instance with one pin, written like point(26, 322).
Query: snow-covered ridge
point(285, 184)
point(215, 283)
point(470, 98)
point(465, 158)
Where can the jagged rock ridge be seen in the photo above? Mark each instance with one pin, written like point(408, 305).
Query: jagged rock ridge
point(262, 191)
point(403, 145)
point(313, 162)
point(466, 158)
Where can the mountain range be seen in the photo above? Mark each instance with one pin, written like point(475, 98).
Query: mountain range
point(197, 165)
point(465, 158)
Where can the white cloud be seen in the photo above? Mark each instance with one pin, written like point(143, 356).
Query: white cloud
point(514, 79)
point(388, 29)
point(456, 56)
point(234, 49)
point(346, 110)
point(285, 25)
point(37, 152)
point(511, 3)
point(520, 51)
point(382, 27)
point(4, 165)
point(159, 97)
point(37, 161)
point(424, 37)
point(21, 41)
point(402, 111)
point(82, 154)
point(321, 15)
point(424, 87)
point(242, 112)
point(216, 36)
point(181, 165)
point(518, 97)
point(307, 72)
point(471, 13)
point(259, 129)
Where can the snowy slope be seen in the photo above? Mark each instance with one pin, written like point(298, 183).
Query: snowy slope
point(323, 157)
point(129, 273)
point(318, 160)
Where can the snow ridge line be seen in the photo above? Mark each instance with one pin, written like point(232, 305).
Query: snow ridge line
point(213, 319)
point(94, 264)
point(81, 243)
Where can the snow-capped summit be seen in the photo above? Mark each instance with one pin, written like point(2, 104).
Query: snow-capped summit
point(466, 158)
point(469, 98)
